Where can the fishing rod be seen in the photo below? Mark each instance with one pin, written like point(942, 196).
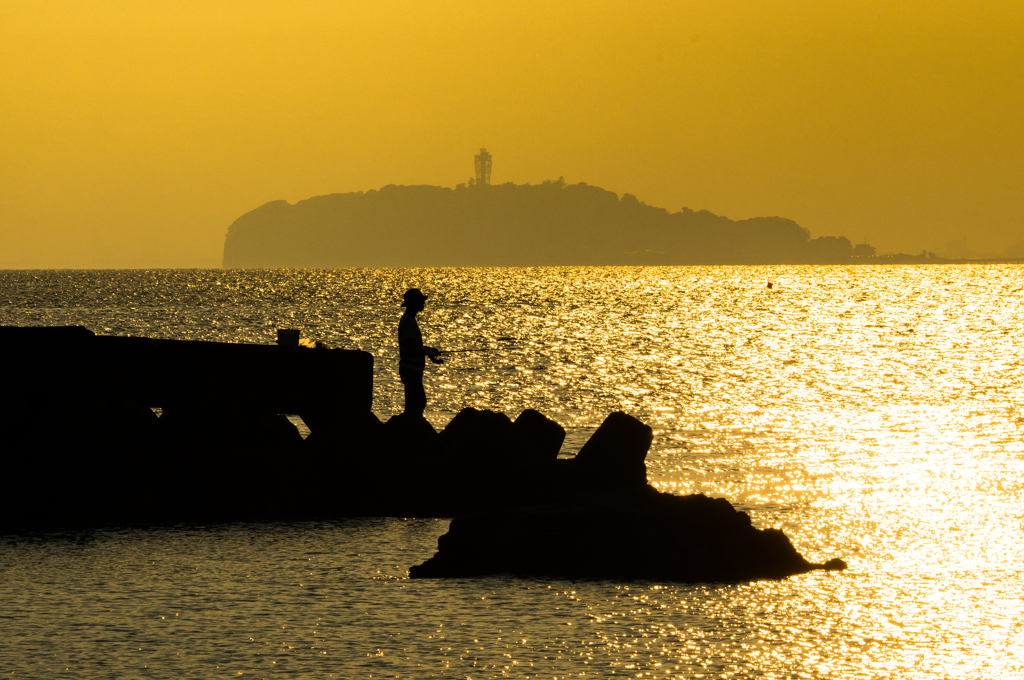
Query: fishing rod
point(478, 349)
point(438, 359)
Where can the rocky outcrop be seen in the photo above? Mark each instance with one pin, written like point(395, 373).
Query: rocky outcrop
point(639, 535)
point(407, 436)
point(541, 438)
point(482, 460)
point(533, 439)
point(595, 516)
point(82, 447)
point(474, 434)
point(614, 455)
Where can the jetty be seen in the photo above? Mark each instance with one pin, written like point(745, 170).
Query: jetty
point(82, 447)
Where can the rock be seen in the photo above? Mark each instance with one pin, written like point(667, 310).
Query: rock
point(661, 537)
point(622, 440)
point(490, 437)
point(540, 436)
point(411, 435)
point(614, 455)
point(474, 434)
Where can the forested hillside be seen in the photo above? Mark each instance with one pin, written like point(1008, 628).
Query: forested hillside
point(511, 225)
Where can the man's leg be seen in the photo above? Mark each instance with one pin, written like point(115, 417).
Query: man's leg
point(415, 395)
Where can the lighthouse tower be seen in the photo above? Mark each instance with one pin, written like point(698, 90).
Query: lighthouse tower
point(483, 167)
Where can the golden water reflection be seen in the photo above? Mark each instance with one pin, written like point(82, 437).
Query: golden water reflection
point(873, 413)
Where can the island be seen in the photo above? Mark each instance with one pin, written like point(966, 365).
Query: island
point(547, 224)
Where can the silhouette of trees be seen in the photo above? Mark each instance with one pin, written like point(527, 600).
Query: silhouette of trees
point(829, 250)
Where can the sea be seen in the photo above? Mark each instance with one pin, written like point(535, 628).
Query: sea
point(873, 413)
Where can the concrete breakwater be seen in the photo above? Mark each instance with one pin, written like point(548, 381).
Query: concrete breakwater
point(82, 447)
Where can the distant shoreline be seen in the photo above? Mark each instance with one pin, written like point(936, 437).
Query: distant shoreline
point(881, 261)
point(902, 258)
point(547, 224)
point(524, 225)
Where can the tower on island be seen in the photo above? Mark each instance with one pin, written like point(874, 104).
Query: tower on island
point(483, 167)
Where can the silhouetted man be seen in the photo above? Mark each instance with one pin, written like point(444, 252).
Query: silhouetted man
point(411, 351)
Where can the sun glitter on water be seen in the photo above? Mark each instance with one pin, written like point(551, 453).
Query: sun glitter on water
point(869, 412)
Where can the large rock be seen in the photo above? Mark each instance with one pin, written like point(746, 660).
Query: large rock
point(491, 437)
point(614, 455)
point(475, 434)
point(540, 437)
point(410, 435)
point(655, 536)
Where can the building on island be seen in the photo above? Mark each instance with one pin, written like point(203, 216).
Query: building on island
point(483, 167)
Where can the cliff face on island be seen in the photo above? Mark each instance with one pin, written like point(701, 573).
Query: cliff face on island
point(511, 225)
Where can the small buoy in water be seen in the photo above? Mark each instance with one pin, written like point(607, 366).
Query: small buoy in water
point(769, 285)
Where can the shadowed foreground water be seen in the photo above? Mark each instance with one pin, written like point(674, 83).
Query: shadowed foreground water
point(873, 413)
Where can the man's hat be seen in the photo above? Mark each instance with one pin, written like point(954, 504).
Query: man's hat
point(413, 295)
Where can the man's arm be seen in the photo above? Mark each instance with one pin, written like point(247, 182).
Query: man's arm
point(414, 350)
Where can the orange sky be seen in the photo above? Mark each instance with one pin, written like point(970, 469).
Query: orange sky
point(133, 133)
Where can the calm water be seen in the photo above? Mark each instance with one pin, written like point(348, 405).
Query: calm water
point(873, 413)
